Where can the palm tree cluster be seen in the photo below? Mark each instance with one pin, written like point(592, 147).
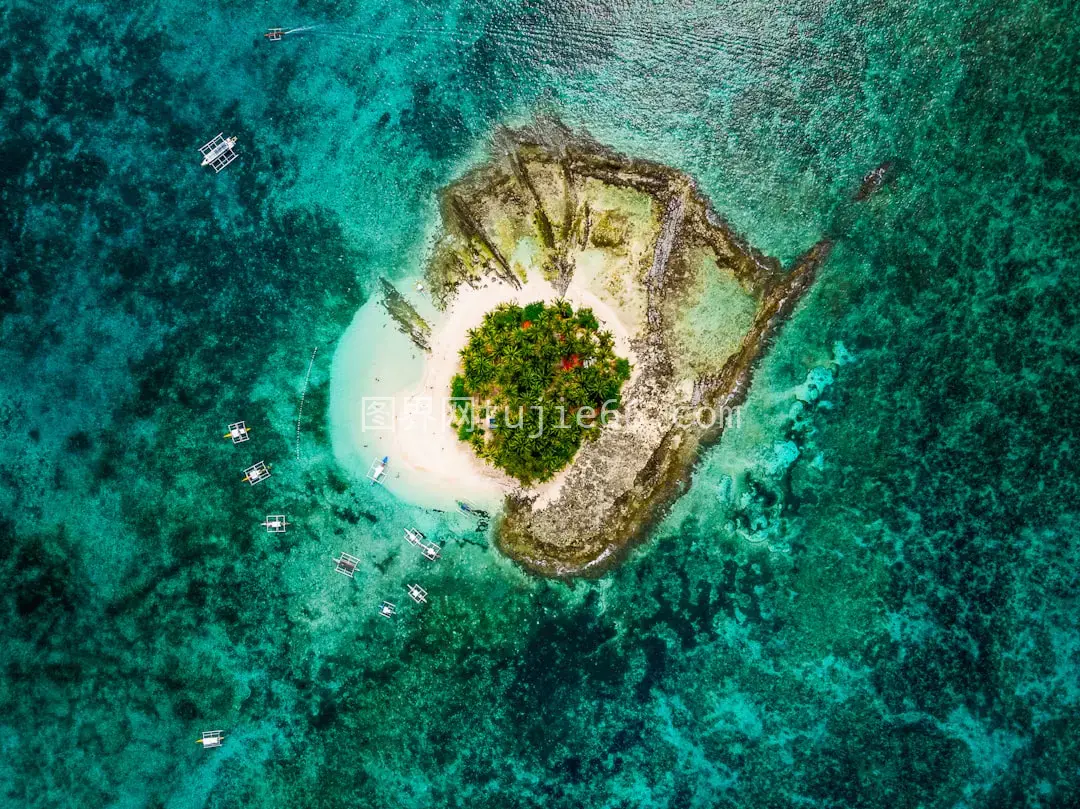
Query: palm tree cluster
point(534, 383)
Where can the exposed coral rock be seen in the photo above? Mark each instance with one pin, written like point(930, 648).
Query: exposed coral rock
point(409, 321)
point(701, 305)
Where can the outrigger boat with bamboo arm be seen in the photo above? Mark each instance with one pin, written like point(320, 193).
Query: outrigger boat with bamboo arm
point(377, 470)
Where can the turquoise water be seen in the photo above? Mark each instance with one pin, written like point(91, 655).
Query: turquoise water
point(869, 596)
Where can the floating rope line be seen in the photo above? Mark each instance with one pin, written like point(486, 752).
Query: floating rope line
point(303, 393)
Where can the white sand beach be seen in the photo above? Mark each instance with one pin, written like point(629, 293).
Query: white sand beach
point(429, 466)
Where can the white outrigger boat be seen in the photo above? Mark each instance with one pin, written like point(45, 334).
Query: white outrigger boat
point(346, 565)
point(377, 470)
point(429, 549)
point(238, 432)
point(275, 523)
point(256, 473)
point(211, 738)
point(218, 152)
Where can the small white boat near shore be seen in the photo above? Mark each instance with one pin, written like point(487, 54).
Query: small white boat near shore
point(377, 470)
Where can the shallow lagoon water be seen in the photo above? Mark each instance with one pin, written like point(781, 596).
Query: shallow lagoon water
point(868, 596)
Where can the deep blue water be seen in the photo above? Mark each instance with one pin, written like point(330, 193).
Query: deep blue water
point(868, 598)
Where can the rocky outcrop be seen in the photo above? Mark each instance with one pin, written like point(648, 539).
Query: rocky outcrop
point(623, 481)
point(404, 314)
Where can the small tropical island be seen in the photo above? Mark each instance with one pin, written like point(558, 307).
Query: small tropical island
point(566, 277)
point(536, 382)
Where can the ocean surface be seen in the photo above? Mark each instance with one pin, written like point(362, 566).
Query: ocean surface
point(868, 598)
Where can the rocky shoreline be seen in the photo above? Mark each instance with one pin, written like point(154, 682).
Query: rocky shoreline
point(552, 189)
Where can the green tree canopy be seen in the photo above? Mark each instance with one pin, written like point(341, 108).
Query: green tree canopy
point(534, 383)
